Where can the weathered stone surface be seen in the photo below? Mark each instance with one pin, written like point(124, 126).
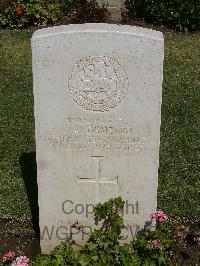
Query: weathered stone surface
point(97, 91)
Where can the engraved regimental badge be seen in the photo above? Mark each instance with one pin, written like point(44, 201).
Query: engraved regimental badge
point(98, 83)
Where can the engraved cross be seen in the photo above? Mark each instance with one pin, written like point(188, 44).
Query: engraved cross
point(98, 179)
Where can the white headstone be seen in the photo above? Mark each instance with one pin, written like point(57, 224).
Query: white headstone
point(97, 91)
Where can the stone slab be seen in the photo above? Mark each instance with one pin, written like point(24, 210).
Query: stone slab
point(97, 104)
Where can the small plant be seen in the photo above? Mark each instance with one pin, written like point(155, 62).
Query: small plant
point(154, 246)
point(21, 13)
point(11, 259)
point(182, 15)
point(68, 5)
point(105, 246)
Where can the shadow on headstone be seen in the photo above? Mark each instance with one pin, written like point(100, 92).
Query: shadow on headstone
point(29, 173)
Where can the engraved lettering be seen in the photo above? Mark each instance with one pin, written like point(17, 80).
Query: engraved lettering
point(104, 136)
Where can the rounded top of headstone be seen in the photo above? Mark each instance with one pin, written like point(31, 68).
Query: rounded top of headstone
point(96, 27)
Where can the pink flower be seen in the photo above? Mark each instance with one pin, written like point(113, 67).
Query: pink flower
point(21, 261)
point(8, 256)
point(160, 216)
point(154, 244)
